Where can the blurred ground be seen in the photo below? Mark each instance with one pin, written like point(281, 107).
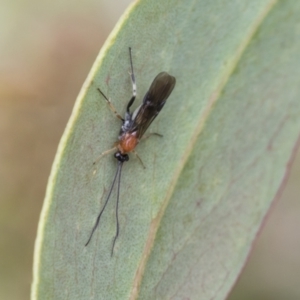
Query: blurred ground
point(273, 269)
point(46, 52)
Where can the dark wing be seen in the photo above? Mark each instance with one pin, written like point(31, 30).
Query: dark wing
point(154, 100)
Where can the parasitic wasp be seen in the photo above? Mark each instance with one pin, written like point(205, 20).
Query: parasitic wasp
point(132, 130)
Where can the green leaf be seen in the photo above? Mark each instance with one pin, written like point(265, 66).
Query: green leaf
point(231, 126)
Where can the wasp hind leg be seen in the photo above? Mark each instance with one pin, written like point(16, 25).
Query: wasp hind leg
point(132, 77)
point(111, 107)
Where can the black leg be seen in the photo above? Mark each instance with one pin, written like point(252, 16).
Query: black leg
point(133, 83)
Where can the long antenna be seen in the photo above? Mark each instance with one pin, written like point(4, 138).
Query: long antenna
point(106, 201)
point(117, 207)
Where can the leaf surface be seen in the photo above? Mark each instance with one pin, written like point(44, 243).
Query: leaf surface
point(230, 129)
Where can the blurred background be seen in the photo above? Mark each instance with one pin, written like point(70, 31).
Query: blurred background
point(46, 51)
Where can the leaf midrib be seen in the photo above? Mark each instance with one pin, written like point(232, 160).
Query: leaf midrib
point(213, 99)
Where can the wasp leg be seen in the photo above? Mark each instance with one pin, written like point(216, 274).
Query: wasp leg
point(133, 83)
point(150, 134)
point(138, 157)
point(104, 153)
point(112, 108)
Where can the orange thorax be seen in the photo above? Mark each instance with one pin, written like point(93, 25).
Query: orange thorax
point(128, 142)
